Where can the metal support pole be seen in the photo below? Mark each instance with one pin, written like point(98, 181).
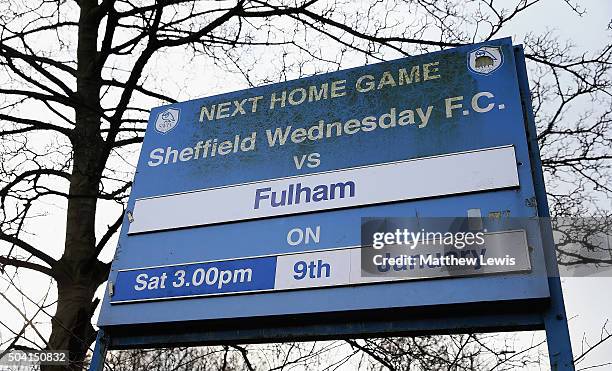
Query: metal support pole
point(99, 353)
point(557, 332)
point(555, 319)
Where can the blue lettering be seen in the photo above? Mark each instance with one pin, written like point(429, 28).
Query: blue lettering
point(296, 194)
point(301, 269)
point(259, 196)
point(312, 269)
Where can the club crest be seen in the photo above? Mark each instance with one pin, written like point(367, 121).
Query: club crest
point(485, 59)
point(167, 120)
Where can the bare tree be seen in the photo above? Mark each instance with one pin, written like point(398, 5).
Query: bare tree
point(79, 77)
point(455, 352)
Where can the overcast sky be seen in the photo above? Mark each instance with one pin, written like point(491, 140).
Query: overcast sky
point(588, 300)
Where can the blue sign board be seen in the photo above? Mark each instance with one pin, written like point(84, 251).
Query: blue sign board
point(248, 205)
point(254, 173)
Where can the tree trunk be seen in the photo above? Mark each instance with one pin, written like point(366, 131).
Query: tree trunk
point(78, 272)
point(71, 325)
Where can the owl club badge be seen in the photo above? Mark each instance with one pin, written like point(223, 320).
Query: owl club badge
point(167, 120)
point(485, 60)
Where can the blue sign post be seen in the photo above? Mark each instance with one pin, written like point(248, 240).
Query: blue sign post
point(248, 206)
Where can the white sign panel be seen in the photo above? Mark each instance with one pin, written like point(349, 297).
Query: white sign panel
point(501, 252)
point(463, 172)
point(329, 268)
